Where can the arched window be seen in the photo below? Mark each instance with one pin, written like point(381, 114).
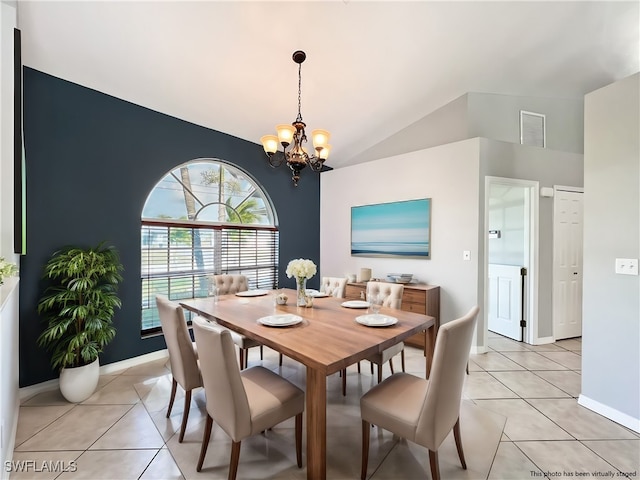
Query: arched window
point(202, 218)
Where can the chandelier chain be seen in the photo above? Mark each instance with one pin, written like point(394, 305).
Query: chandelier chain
point(299, 117)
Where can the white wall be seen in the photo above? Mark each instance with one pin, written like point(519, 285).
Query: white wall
point(8, 291)
point(447, 124)
point(611, 306)
point(498, 117)
point(447, 174)
point(487, 115)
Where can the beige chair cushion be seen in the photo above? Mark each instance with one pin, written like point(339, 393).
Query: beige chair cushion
point(230, 283)
point(272, 399)
point(333, 286)
point(242, 403)
point(396, 404)
point(183, 357)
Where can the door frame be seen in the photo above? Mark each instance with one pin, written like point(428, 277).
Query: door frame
point(531, 300)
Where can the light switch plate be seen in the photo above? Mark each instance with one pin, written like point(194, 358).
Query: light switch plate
point(627, 266)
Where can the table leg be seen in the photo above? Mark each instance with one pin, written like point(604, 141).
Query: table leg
point(316, 425)
point(429, 347)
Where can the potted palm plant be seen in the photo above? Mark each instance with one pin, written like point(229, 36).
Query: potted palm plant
point(79, 308)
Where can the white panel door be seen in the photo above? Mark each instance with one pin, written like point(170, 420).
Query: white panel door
point(505, 300)
point(567, 264)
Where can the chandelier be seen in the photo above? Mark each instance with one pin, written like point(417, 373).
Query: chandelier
point(293, 136)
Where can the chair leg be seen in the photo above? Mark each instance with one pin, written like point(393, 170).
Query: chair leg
point(391, 365)
point(433, 462)
point(467, 368)
point(458, 438)
point(358, 367)
point(379, 373)
point(402, 359)
point(185, 414)
point(261, 352)
point(344, 382)
point(299, 439)
point(174, 387)
point(235, 458)
point(371, 363)
point(205, 441)
point(365, 448)
point(280, 360)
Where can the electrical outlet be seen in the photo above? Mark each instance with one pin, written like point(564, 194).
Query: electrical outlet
point(466, 255)
point(627, 266)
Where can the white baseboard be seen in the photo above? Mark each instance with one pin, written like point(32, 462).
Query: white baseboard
point(133, 362)
point(477, 349)
point(611, 413)
point(12, 440)
point(26, 392)
point(544, 340)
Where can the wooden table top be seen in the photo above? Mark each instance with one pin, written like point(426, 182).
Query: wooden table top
point(328, 339)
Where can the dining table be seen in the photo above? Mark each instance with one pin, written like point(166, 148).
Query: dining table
point(326, 339)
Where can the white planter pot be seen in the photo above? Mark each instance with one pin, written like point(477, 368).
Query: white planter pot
point(78, 383)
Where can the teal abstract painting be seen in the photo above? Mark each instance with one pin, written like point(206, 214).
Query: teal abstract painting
point(397, 229)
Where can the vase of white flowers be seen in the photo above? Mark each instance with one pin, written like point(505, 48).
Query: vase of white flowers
point(301, 269)
point(6, 269)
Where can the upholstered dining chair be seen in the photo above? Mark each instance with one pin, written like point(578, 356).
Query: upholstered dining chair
point(333, 286)
point(389, 295)
point(227, 284)
point(424, 411)
point(183, 356)
point(243, 403)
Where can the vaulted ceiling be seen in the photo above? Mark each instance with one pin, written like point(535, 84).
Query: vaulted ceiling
point(372, 68)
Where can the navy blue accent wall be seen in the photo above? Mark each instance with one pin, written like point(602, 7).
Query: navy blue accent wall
point(91, 161)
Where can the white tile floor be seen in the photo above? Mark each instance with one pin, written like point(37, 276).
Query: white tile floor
point(519, 420)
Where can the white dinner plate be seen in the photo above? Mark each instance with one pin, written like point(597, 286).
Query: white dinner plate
point(252, 293)
point(283, 320)
point(315, 293)
point(376, 320)
point(355, 304)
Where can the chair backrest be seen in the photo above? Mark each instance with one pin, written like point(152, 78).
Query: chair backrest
point(183, 359)
point(230, 283)
point(391, 293)
point(446, 380)
point(333, 286)
point(227, 401)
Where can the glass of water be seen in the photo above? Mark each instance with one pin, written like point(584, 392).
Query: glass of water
point(374, 302)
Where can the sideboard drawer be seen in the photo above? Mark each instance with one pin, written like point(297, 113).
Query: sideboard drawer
point(414, 307)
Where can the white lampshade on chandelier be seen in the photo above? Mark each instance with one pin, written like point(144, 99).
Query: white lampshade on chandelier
point(293, 136)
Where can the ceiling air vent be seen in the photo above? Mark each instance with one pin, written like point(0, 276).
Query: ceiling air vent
point(532, 129)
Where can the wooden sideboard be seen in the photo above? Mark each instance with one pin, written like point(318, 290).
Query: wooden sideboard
point(419, 298)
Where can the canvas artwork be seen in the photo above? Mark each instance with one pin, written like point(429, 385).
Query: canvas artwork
point(396, 229)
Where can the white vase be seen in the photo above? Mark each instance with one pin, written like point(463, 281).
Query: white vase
point(78, 383)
